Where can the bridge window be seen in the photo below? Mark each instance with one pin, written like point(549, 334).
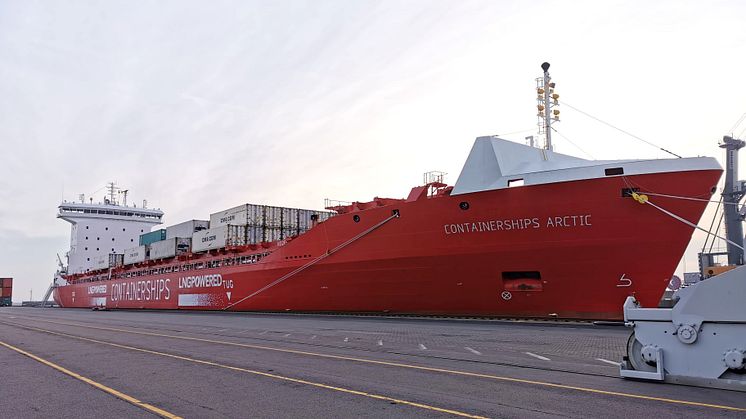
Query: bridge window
point(614, 171)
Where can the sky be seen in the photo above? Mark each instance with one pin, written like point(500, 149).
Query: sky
point(198, 106)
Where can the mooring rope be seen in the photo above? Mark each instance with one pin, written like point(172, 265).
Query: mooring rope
point(643, 199)
point(313, 262)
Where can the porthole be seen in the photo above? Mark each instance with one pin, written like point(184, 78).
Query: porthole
point(88, 259)
point(106, 228)
point(97, 249)
point(356, 218)
point(86, 248)
point(124, 229)
point(86, 237)
point(112, 239)
point(132, 240)
point(86, 227)
point(464, 205)
point(98, 238)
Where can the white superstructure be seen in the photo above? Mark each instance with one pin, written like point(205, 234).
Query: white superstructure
point(101, 229)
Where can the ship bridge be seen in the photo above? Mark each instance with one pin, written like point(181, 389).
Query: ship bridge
point(102, 229)
point(76, 211)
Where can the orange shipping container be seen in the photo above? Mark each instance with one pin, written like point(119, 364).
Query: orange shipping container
point(6, 282)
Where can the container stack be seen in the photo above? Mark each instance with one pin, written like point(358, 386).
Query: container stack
point(238, 226)
point(264, 223)
point(6, 291)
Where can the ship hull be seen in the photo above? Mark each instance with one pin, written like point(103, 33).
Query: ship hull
point(566, 250)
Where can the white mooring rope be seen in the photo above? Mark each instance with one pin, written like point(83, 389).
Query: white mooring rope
point(643, 199)
point(313, 262)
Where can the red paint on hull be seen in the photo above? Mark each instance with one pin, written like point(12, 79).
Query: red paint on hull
point(439, 259)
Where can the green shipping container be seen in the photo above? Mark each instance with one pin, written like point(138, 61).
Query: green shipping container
point(152, 237)
point(5, 301)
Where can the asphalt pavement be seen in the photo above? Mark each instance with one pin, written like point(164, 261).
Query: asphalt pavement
point(82, 363)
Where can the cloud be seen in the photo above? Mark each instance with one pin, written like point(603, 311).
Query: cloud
point(199, 107)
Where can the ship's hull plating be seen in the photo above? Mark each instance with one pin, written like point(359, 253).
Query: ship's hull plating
point(570, 250)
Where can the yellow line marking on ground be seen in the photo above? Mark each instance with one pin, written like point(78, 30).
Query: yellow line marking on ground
point(413, 366)
point(115, 393)
point(229, 367)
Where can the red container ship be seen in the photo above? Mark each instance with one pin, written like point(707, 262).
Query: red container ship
point(524, 232)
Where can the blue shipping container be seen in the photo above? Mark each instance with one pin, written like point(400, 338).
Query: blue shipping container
point(152, 237)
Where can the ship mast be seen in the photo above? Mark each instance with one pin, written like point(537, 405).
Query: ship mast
point(112, 187)
point(732, 194)
point(546, 101)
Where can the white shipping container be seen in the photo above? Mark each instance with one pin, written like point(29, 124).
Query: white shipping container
point(304, 219)
point(254, 214)
point(135, 255)
point(272, 234)
point(234, 216)
point(324, 215)
point(186, 229)
point(163, 249)
point(254, 234)
point(100, 262)
point(273, 216)
point(212, 238)
point(290, 217)
point(169, 248)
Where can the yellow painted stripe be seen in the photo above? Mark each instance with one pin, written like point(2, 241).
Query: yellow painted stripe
point(233, 368)
point(115, 393)
point(414, 366)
